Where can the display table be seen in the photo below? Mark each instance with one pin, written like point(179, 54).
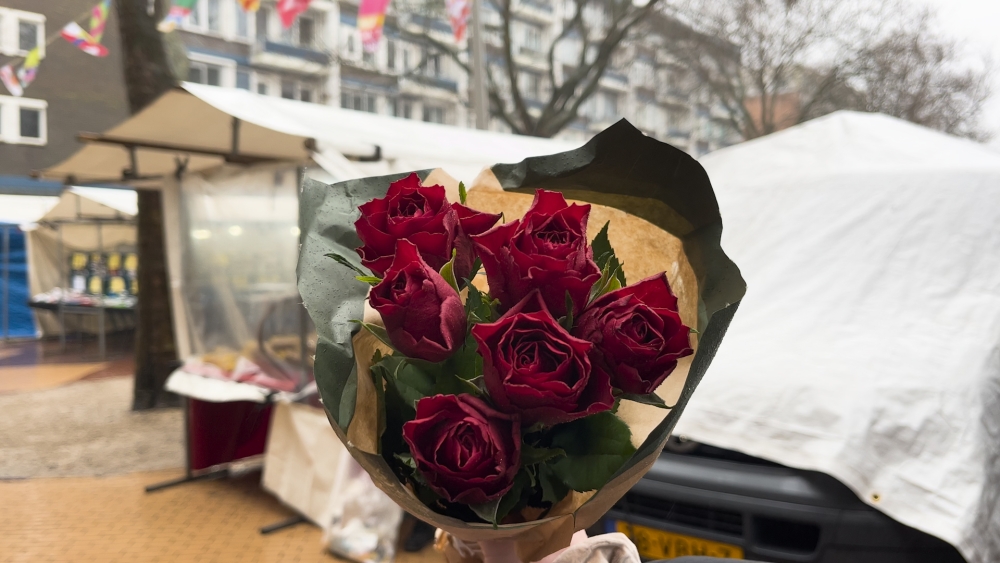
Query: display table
point(117, 317)
point(224, 422)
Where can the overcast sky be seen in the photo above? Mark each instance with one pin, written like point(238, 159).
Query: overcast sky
point(977, 22)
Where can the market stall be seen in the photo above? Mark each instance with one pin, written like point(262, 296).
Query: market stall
point(82, 263)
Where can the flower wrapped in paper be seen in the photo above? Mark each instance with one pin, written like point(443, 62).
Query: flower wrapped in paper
point(523, 402)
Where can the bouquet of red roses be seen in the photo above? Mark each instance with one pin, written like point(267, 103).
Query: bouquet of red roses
point(526, 406)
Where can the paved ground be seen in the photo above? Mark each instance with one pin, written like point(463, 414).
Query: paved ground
point(111, 520)
point(85, 428)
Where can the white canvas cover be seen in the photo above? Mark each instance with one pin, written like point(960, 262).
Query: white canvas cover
point(868, 344)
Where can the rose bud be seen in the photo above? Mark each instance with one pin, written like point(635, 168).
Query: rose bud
point(422, 312)
point(637, 333)
point(420, 214)
point(471, 223)
point(532, 366)
point(547, 250)
point(467, 451)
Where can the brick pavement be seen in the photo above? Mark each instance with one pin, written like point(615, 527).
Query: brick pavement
point(111, 519)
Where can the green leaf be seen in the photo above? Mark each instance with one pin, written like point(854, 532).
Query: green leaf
point(478, 307)
point(650, 399)
point(448, 271)
point(377, 331)
point(530, 455)
point(344, 261)
point(595, 446)
point(466, 363)
point(553, 489)
point(602, 247)
point(608, 263)
point(370, 280)
point(462, 194)
point(497, 509)
point(693, 331)
point(567, 321)
point(407, 460)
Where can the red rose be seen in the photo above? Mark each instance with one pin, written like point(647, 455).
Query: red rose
point(532, 366)
point(467, 451)
point(637, 333)
point(422, 312)
point(547, 250)
point(422, 215)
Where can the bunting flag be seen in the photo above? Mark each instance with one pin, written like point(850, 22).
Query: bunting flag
point(89, 41)
point(290, 9)
point(371, 18)
point(26, 74)
point(458, 14)
point(82, 40)
point(179, 11)
point(99, 17)
point(10, 81)
point(249, 5)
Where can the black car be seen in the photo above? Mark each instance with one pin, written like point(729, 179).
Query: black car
point(702, 500)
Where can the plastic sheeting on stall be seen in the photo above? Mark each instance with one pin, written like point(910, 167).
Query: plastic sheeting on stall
point(868, 345)
point(232, 263)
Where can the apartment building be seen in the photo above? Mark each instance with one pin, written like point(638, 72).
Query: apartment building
point(71, 92)
point(320, 59)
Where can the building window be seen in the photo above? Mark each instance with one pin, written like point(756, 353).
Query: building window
point(390, 54)
point(262, 14)
point(532, 39)
point(531, 85)
point(20, 32)
point(406, 60)
point(242, 22)
point(307, 31)
point(261, 88)
point(243, 79)
point(305, 94)
point(203, 73)
point(288, 89)
point(214, 19)
point(357, 101)
point(23, 121)
point(433, 114)
point(368, 58)
point(31, 123)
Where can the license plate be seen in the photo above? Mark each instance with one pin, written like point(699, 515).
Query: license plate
point(660, 544)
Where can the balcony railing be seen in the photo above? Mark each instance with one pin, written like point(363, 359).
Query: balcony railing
point(678, 133)
point(436, 82)
point(293, 51)
point(542, 5)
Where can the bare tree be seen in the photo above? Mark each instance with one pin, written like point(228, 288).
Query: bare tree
point(769, 63)
point(774, 63)
point(917, 75)
point(575, 59)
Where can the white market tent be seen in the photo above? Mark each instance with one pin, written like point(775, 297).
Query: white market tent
point(201, 122)
point(868, 344)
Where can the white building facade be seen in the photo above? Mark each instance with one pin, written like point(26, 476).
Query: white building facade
point(320, 59)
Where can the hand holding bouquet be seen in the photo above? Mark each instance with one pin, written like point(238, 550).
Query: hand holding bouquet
point(525, 406)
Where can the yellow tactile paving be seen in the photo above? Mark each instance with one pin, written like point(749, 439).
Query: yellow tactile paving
point(109, 520)
point(43, 376)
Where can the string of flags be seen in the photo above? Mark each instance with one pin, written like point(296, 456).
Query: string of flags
point(88, 41)
point(287, 10)
point(371, 19)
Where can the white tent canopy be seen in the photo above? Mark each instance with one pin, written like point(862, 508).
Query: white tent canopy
point(868, 344)
point(202, 118)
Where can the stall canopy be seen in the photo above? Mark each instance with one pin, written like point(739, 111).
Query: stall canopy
point(868, 344)
point(205, 126)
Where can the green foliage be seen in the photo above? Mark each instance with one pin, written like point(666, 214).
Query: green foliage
point(448, 271)
point(345, 262)
point(612, 274)
point(462, 194)
point(377, 331)
point(370, 280)
point(497, 509)
point(567, 321)
point(650, 399)
point(596, 447)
